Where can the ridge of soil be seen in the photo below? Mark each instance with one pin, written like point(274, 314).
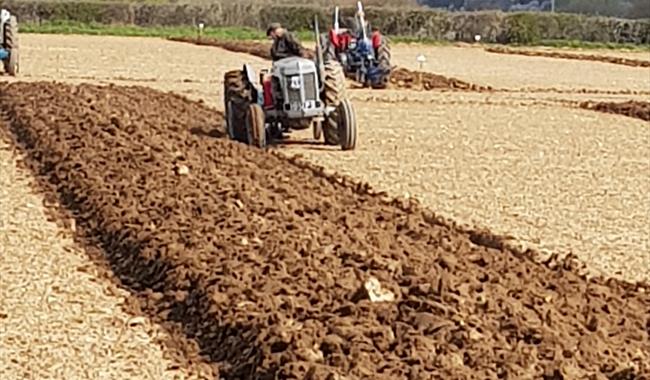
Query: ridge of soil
point(575, 56)
point(271, 265)
point(632, 108)
point(401, 78)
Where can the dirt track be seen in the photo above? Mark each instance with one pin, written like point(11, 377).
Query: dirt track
point(261, 261)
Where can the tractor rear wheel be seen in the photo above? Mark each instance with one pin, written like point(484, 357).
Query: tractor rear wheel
point(11, 44)
point(329, 50)
point(237, 97)
point(383, 55)
point(333, 95)
point(256, 126)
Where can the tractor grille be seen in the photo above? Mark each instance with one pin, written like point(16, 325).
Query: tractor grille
point(310, 89)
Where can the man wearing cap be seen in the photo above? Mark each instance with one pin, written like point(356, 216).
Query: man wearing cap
point(284, 43)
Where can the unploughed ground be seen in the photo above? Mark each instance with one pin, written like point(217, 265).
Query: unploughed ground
point(279, 270)
point(59, 317)
point(521, 72)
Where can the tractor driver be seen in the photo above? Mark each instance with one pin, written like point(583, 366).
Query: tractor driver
point(285, 43)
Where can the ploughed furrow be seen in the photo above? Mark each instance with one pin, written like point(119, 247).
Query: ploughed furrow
point(566, 55)
point(401, 78)
point(278, 270)
point(632, 108)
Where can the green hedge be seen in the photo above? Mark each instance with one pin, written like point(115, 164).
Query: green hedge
point(411, 22)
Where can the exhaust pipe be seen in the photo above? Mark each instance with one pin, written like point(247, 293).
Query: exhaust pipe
point(336, 19)
point(362, 19)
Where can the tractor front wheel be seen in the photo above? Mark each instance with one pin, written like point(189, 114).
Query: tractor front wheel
point(11, 44)
point(256, 126)
point(318, 130)
point(347, 125)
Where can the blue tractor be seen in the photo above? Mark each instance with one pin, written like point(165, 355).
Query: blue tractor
point(9, 42)
point(364, 53)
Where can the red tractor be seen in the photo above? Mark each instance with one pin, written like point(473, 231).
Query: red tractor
point(364, 53)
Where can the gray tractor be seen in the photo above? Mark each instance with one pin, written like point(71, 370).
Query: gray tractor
point(9, 42)
point(296, 94)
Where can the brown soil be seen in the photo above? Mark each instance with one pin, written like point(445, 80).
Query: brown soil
point(637, 109)
point(420, 80)
point(583, 57)
point(401, 78)
point(262, 260)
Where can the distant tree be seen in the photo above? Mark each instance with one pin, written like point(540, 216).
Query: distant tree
point(616, 8)
point(593, 7)
point(477, 5)
point(435, 3)
point(639, 9)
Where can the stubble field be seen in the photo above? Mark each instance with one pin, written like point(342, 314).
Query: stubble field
point(527, 164)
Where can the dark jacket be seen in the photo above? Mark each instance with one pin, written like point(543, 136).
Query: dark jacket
point(286, 46)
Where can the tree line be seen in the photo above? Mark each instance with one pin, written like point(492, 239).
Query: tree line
point(616, 8)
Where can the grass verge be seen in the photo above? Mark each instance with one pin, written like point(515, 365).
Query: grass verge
point(247, 34)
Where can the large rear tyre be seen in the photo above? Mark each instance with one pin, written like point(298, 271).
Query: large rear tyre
point(347, 124)
point(333, 94)
point(237, 97)
point(10, 32)
point(329, 50)
point(256, 126)
point(384, 57)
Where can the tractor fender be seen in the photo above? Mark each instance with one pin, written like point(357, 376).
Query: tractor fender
point(251, 78)
point(250, 75)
